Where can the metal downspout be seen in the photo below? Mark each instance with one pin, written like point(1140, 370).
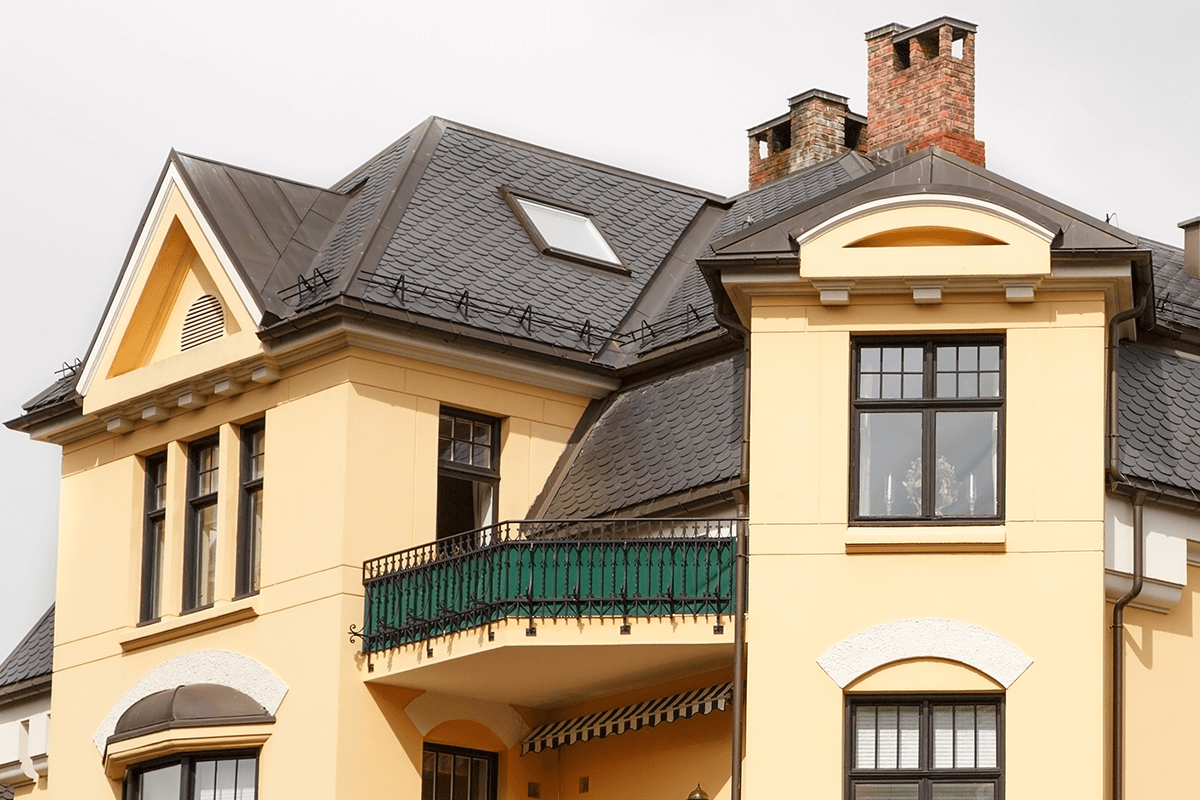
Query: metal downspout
point(1118, 665)
point(741, 560)
point(1115, 478)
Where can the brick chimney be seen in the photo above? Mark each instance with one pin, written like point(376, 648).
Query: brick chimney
point(818, 125)
point(921, 88)
point(920, 92)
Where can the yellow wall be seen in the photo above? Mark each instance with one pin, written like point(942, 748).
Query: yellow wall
point(1162, 696)
point(1036, 579)
point(351, 463)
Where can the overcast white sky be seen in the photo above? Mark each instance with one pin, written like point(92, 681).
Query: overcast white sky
point(1095, 104)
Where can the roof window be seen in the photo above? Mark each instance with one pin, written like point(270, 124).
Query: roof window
point(562, 230)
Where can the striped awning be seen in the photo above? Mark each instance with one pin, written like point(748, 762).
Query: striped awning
point(628, 718)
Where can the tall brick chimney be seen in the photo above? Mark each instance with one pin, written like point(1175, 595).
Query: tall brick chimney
point(920, 92)
point(921, 88)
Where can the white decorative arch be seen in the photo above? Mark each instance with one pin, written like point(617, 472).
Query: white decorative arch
point(948, 639)
point(431, 709)
point(202, 666)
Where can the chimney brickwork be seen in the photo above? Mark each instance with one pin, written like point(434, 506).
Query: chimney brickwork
point(920, 92)
point(818, 126)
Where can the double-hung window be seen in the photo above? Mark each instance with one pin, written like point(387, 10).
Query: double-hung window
point(928, 422)
point(250, 510)
point(934, 747)
point(154, 537)
point(200, 534)
point(199, 777)
point(468, 471)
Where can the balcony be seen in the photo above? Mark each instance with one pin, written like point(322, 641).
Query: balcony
point(550, 569)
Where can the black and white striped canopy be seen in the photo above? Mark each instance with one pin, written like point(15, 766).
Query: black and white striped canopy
point(628, 718)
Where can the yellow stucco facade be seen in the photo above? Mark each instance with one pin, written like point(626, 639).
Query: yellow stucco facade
point(1009, 607)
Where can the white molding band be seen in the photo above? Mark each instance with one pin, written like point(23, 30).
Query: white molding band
point(917, 200)
point(431, 709)
point(201, 666)
point(948, 639)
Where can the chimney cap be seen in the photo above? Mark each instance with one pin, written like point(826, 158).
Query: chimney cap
point(1190, 223)
point(818, 93)
point(902, 34)
point(762, 127)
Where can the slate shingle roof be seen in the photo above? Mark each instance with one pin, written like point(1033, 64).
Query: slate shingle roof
point(6, 793)
point(1159, 417)
point(677, 433)
point(34, 656)
point(458, 239)
point(1176, 293)
point(793, 190)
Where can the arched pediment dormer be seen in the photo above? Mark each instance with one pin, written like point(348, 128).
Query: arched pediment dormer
point(937, 235)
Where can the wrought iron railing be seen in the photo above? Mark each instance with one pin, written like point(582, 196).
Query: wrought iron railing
point(540, 569)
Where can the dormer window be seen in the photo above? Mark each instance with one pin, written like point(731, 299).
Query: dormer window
point(563, 230)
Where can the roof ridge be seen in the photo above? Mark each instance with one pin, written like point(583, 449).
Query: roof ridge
point(386, 149)
point(584, 162)
point(423, 141)
point(258, 172)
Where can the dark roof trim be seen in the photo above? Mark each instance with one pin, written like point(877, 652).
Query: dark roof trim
point(390, 210)
point(669, 275)
point(762, 127)
point(933, 25)
point(25, 689)
point(591, 415)
point(198, 196)
point(690, 500)
point(1178, 497)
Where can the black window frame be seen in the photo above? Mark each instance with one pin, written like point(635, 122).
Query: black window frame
point(928, 405)
point(196, 503)
point(511, 196)
point(444, 749)
point(925, 776)
point(155, 515)
point(249, 541)
point(470, 472)
point(187, 762)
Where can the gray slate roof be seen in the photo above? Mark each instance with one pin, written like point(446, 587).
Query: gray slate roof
point(1159, 417)
point(1176, 294)
point(676, 434)
point(33, 657)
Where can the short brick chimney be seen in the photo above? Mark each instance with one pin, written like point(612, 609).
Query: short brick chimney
point(920, 92)
point(921, 88)
point(1191, 246)
point(818, 125)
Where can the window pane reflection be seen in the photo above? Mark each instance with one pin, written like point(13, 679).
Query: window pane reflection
point(889, 464)
point(966, 463)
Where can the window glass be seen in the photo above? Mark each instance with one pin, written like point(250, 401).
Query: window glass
point(154, 538)
point(197, 778)
point(200, 551)
point(250, 512)
point(924, 748)
point(569, 231)
point(454, 773)
point(890, 464)
point(928, 417)
point(468, 472)
point(159, 784)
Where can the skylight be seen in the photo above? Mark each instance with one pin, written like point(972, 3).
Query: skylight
point(564, 231)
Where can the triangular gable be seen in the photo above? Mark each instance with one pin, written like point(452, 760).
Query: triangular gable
point(178, 264)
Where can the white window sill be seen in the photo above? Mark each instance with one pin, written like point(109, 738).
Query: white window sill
point(170, 628)
point(925, 539)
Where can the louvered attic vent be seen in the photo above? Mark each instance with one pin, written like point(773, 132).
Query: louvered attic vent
point(204, 322)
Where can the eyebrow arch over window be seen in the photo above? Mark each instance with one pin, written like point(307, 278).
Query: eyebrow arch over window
point(563, 230)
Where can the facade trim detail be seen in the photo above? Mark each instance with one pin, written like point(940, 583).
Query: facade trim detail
point(948, 639)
